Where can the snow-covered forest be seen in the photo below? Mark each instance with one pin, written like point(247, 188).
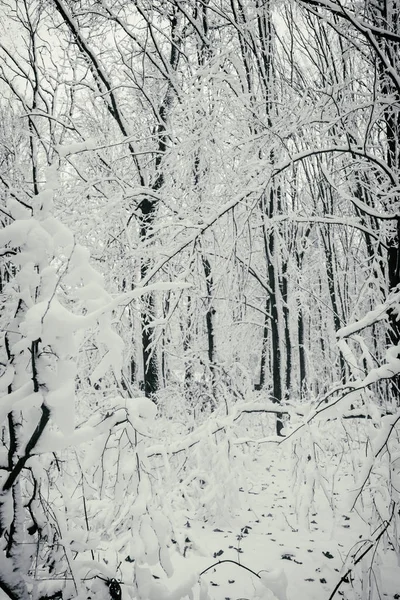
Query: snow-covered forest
point(200, 299)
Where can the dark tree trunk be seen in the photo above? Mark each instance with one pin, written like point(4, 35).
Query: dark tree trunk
point(148, 209)
point(164, 365)
point(209, 322)
point(150, 383)
point(388, 16)
point(276, 358)
point(285, 311)
point(392, 119)
point(302, 356)
point(330, 274)
point(264, 348)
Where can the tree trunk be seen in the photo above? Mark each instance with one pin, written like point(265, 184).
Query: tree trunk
point(264, 348)
point(302, 356)
point(286, 325)
point(209, 322)
point(330, 274)
point(276, 356)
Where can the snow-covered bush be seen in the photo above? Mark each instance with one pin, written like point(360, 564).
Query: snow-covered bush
point(76, 498)
point(350, 432)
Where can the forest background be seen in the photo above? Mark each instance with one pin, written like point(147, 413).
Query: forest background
point(200, 207)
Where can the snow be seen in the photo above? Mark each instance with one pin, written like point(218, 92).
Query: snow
point(61, 402)
point(141, 408)
point(379, 313)
point(90, 430)
point(276, 581)
point(373, 316)
point(259, 516)
point(218, 509)
point(6, 378)
point(76, 147)
point(293, 561)
point(62, 236)
point(388, 369)
point(8, 401)
point(50, 320)
point(149, 540)
point(16, 233)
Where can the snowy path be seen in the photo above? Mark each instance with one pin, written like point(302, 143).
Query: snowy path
point(264, 535)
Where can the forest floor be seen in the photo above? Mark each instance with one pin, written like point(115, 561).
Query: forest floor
point(297, 542)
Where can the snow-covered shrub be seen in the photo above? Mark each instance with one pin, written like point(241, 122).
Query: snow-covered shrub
point(351, 431)
point(54, 296)
point(76, 497)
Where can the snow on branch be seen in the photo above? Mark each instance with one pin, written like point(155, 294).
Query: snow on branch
point(373, 316)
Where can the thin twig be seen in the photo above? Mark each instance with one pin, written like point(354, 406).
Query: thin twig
point(344, 578)
point(221, 562)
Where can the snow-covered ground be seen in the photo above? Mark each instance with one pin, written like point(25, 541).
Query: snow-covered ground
point(298, 558)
